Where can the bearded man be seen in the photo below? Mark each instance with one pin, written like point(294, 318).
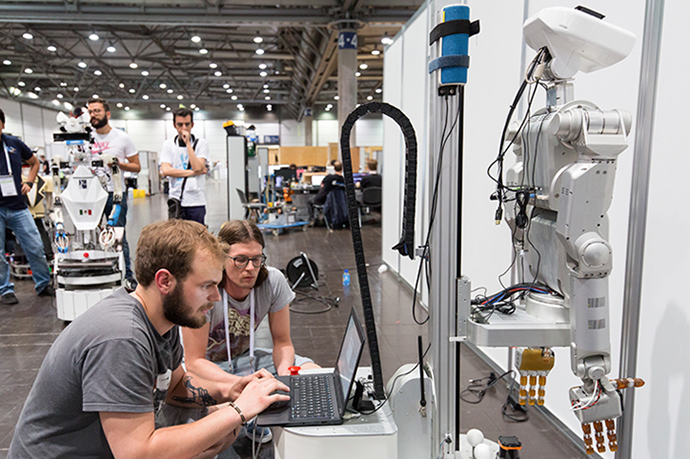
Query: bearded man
point(106, 375)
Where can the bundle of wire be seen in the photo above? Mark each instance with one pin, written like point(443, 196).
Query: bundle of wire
point(587, 404)
point(504, 301)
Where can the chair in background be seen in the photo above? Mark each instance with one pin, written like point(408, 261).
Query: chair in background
point(371, 199)
point(250, 208)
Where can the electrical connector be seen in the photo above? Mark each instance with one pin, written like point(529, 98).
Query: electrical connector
point(499, 215)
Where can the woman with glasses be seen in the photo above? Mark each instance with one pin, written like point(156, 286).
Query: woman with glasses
point(251, 291)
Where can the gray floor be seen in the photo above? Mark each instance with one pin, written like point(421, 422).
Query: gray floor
point(28, 328)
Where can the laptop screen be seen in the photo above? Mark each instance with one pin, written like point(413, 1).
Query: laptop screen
point(317, 179)
point(350, 351)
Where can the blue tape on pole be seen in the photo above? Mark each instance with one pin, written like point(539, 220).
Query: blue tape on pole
point(454, 45)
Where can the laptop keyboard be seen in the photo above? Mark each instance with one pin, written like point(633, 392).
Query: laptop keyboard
point(311, 397)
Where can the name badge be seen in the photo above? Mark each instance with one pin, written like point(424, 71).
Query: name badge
point(7, 186)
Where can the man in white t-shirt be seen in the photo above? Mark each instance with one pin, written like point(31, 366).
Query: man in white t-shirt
point(183, 159)
point(117, 143)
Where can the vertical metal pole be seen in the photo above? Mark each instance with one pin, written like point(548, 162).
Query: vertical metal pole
point(637, 223)
point(443, 253)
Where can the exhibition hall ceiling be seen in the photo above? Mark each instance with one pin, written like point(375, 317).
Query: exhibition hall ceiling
point(146, 54)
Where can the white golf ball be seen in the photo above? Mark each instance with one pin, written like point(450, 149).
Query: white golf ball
point(482, 451)
point(474, 437)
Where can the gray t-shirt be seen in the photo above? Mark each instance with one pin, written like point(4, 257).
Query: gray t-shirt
point(271, 296)
point(111, 359)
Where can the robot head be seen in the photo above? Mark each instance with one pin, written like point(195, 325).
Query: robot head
point(577, 39)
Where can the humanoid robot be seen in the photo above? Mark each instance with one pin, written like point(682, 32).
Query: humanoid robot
point(89, 264)
point(559, 191)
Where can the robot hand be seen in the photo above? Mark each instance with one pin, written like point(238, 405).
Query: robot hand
point(533, 363)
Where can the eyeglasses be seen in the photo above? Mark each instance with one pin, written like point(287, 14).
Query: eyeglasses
point(242, 261)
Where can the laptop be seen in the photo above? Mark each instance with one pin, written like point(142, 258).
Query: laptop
point(320, 399)
point(317, 179)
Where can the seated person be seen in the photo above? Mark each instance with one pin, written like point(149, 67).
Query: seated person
point(373, 178)
point(251, 291)
point(326, 186)
point(110, 370)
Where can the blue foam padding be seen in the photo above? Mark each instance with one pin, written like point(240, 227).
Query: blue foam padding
point(455, 45)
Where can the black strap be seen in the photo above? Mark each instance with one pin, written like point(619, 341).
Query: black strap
point(189, 166)
point(456, 26)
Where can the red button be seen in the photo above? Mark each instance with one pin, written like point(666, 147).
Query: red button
point(86, 254)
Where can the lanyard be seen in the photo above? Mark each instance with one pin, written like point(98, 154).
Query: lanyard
point(7, 158)
point(251, 330)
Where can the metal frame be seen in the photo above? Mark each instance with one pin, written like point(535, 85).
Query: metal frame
point(637, 223)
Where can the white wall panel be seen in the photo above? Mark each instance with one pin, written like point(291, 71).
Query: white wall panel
point(369, 132)
point(391, 157)
point(327, 132)
point(292, 133)
point(32, 122)
point(13, 118)
point(415, 106)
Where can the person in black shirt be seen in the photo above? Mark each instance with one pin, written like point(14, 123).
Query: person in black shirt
point(326, 186)
point(15, 215)
point(373, 178)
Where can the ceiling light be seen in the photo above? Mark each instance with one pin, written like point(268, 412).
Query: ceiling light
point(170, 91)
point(167, 109)
point(226, 86)
point(68, 106)
point(363, 66)
point(15, 91)
point(28, 70)
point(51, 48)
point(258, 38)
point(263, 74)
point(267, 97)
point(259, 51)
point(229, 91)
point(111, 49)
point(119, 105)
point(180, 97)
point(375, 52)
point(132, 90)
point(121, 85)
point(234, 97)
point(192, 105)
point(97, 72)
point(144, 73)
point(37, 89)
point(162, 105)
point(59, 96)
point(197, 109)
point(203, 51)
point(28, 36)
point(127, 108)
point(336, 97)
point(145, 97)
point(240, 108)
point(269, 107)
point(262, 66)
point(196, 38)
point(265, 86)
point(56, 102)
point(94, 37)
point(7, 62)
point(386, 40)
point(76, 89)
point(370, 97)
point(32, 95)
point(218, 73)
point(63, 84)
point(213, 65)
point(328, 109)
point(82, 65)
point(21, 83)
point(133, 65)
point(266, 91)
point(378, 90)
point(162, 85)
point(358, 74)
